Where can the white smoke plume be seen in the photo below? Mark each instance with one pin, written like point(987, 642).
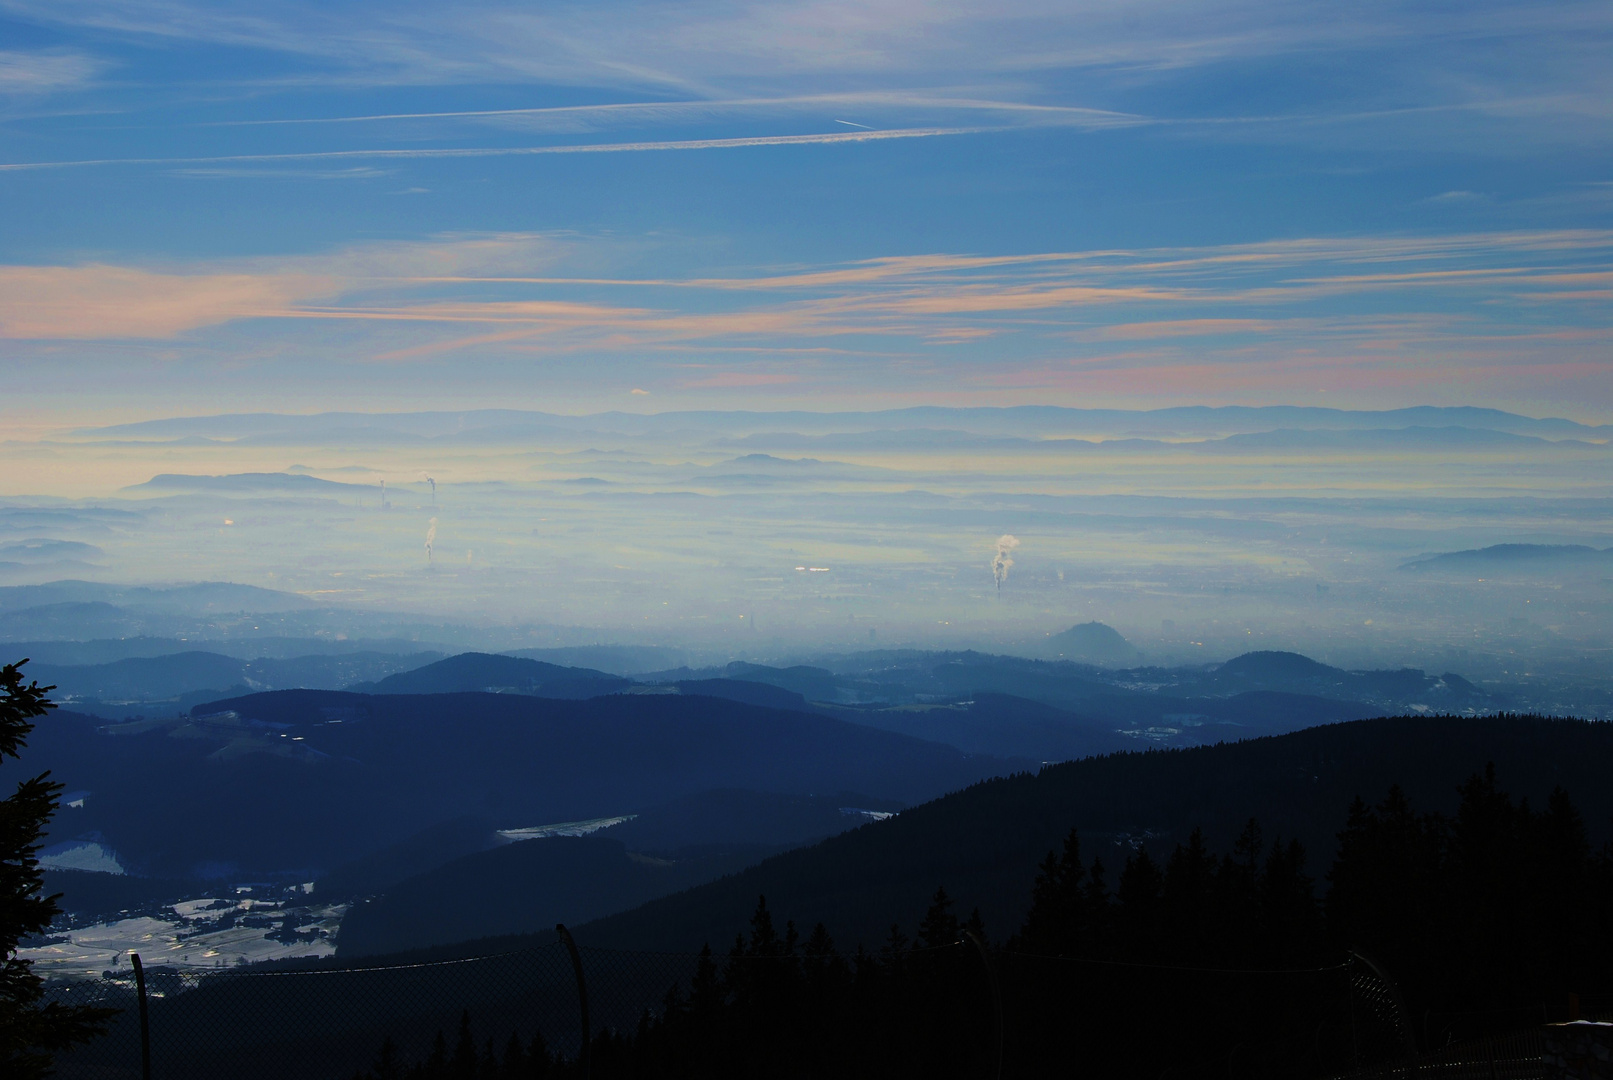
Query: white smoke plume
point(1003, 560)
point(431, 538)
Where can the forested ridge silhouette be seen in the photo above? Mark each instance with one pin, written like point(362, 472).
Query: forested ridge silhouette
point(1484, 919)
point(985, 842)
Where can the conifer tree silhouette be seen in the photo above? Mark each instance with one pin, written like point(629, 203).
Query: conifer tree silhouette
point(463, 1066)
point(1140, 894)
point(31, 1032)
point(940, 926)
point(539, 1061)
point(436, 1066)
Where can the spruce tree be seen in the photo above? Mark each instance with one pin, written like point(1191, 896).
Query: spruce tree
point(1056, 919)
point(513, 1067)
point(464, 1062)
point(1140, 896)
point(1290, 917)
point(30, 1031)
point(538, 1058)
point(940, 926)
point(436, 1066)
point(1192, 925)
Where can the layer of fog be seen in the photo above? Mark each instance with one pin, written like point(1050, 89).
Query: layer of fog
point(1199, 534)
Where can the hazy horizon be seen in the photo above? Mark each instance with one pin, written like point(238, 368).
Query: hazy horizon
point(1197, 534)
point(663, 241)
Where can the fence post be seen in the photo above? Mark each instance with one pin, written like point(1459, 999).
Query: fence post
point(145, 1026)
point(585, 1054)
point(996, 996)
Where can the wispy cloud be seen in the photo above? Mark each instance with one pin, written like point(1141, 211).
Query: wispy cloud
point(81, 302)
point(46, 71)
point(572, 118)
point(1175, 328)
point(1258, 322)
point(356, 173)
point(1073, 296)
point(707, 40)
point(93, 301)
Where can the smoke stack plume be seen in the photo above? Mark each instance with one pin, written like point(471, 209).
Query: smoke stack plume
point(431, 539)
point(1003, 561)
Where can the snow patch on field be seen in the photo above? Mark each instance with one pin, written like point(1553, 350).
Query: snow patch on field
point(81, 855)
point(192, 935)
point(564, 828)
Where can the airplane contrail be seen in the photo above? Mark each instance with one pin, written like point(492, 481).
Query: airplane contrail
point(848, 123)
point(516, 151)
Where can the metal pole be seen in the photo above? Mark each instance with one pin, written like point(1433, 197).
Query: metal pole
point(585, 1054)
point(145, 1026)
point(996, 996)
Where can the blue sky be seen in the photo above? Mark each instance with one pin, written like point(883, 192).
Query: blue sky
point(228, 206)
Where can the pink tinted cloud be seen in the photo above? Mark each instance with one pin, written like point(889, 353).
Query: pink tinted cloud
point(1035, 305)
point(1172, 328)
point(85, 302)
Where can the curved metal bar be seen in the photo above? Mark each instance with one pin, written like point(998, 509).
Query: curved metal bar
point(585, 1053)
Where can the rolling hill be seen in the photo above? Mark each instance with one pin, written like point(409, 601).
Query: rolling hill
point(298, 782)
point(984, 843)
point(493, 889)
point(1527, 560)
point(472, 672)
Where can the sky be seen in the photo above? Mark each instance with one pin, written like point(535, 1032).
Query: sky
point(215, 207)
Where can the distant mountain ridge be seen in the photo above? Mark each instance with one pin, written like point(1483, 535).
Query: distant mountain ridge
point(248, 482)
point(1013, 422)
point(1516, 557)
point(1038, 710)
point(173, 676)
point(100, 651)
point(1416, 437)
point(625, 660)
point(206, 595)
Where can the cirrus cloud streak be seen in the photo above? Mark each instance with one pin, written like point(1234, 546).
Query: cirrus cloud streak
point(1294, 309)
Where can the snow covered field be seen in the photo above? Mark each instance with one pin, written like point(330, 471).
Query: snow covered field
point(191, 935)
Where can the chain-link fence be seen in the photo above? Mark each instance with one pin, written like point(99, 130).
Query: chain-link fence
point(963, 1010)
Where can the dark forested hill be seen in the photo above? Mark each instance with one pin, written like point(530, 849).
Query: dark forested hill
point(163, 680)
point(519, 888)
point(1000, 724)
point(306, 780)
point(469, 672)
point(530, 885)
point(983, 844)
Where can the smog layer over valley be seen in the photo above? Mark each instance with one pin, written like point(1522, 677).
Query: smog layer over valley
point(977, 516)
